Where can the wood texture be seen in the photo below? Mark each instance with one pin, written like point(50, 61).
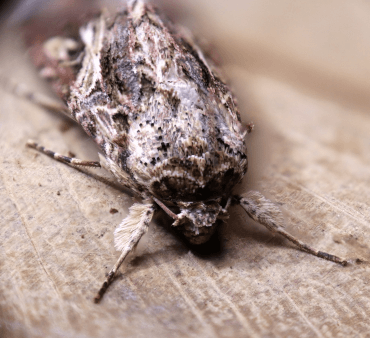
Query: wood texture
point(309, 153)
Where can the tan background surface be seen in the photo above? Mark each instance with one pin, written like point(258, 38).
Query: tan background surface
point(301, 73)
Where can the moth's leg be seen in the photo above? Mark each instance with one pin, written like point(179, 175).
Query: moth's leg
point(263, 211)
point(61, 158)
point(127, 236)
point(39, 99)
point(165, 209)
point(249, 127)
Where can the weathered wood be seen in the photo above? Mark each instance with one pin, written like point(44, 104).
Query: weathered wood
point(308, 154)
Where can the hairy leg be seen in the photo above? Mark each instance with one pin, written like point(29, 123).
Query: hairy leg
point(263, 211)
point(127, 236)
point(128, 233)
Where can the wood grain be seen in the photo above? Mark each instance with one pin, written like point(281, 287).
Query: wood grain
point(308, 153)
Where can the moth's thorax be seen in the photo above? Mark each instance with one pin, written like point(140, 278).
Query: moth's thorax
point(181, 151)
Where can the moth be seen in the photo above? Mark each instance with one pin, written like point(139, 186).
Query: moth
point(167, 125)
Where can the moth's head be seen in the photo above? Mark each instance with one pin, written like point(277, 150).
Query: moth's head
point(198, 220)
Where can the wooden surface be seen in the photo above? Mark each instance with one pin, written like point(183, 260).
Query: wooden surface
point(310, 153)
